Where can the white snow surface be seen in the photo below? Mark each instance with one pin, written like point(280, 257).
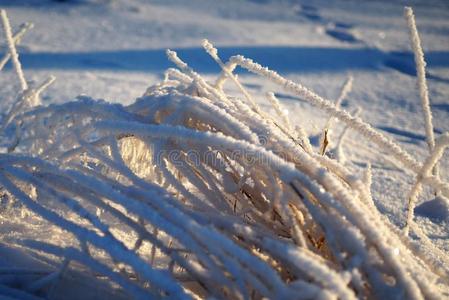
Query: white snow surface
point(115, 49)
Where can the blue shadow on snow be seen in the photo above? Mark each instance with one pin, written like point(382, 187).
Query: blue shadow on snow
point(283, 59)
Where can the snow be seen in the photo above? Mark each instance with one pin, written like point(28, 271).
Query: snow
point(116, 49)
point(436, 208)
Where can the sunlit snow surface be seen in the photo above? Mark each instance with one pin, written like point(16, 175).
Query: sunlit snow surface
point(115, 49)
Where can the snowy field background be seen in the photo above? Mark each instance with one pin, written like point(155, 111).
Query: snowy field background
point(115, 50)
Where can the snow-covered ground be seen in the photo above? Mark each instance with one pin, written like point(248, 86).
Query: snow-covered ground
point(115, 49)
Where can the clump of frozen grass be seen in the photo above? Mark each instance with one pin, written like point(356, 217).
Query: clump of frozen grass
point(191, 192)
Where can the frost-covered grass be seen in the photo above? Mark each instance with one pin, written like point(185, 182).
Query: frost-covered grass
point(193, 192)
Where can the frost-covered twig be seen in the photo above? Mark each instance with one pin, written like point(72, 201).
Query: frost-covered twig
point(324, 139)
point(339, 153)
point(12, 50)
point(213, 52)
point(277, 107)
point(440, 145)
point(421, 74)
point(50, 279)
point(17, 38)
point(327, 106)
